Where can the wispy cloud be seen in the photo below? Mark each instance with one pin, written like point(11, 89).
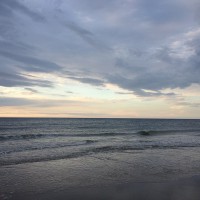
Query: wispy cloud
point(15, 101)
point(92, 81)
point(31, 90)
point(13, 79)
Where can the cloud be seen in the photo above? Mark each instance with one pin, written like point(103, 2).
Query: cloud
point(153, 93)
point(14, 79)
point(87, 36)
point(124, 93)
point(139, 84)
point(184, 103)
point(175, 65)
point(160, 12)
point(83, 33)
point(69, 92)
point(13, 47)
point(8, 7)
point(31, 90)
point(141, 46)
point(31, 63)
point(13, 101)
point(91, 81)
point(8, 101)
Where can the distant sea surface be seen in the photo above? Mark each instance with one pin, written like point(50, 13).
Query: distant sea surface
point(50, 158)
point(26, 140)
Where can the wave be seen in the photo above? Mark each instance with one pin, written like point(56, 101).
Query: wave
point(35, 136)
point(23, 136)
point(92, 151)
point(106, 134)
point(160, 132)
point(51, 146)
point(105, 149)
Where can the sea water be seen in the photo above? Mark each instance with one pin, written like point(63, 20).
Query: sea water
point(39, 139)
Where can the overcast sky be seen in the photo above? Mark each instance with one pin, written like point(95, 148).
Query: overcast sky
point(100, 58)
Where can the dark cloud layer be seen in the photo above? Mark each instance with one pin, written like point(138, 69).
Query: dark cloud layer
point(142, 46)
point(8, 7)
point(31, 63)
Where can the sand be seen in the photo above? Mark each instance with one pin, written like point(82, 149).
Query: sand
point(122, 176)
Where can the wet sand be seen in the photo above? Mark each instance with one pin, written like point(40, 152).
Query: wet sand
point(182, 189)
point(120, 176)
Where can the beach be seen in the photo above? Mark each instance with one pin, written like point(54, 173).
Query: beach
point(110, 167)
point(120, 176)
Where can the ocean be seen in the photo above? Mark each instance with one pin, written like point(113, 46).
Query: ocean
point(39, 155)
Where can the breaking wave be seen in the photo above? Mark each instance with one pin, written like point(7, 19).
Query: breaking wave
point(92, 151)
point(109, 134)
point(163, 132)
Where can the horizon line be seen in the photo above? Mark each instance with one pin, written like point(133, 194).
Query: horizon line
point(102, 118)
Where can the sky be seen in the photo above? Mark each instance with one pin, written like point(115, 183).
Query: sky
point(100, 58)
